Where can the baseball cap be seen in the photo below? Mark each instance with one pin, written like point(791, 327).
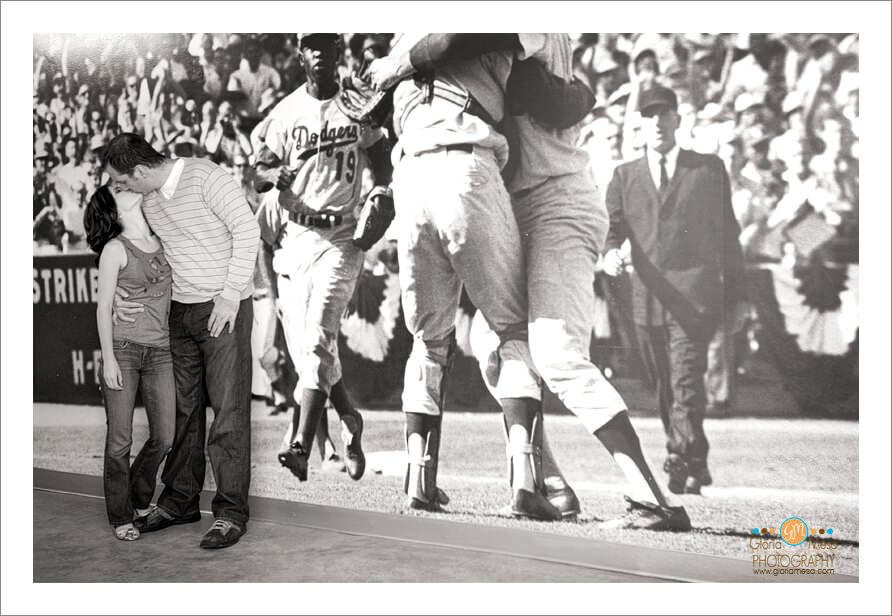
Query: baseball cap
point(303, 36)
point(657, 96)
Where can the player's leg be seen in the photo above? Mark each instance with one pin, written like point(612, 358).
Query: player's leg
point(560, 231)
point(484, 345)
point(485, 252)
point(293, 291)
point(332, 273)
point(430, 292)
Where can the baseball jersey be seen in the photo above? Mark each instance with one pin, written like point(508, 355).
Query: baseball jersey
point(438, 123)
point(327, 149)
point(546, 152)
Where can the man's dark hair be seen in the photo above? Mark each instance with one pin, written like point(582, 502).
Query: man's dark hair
point(127, 150)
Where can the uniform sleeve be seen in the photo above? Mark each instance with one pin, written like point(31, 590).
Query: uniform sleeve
point(227, 200)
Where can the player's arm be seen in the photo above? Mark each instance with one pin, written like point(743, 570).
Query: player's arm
point(553, 101)
point(112, 259)
point(378, 211)
point(379, 161)
point(436, 50)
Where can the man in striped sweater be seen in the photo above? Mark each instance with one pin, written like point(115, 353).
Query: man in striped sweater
point(210, 238)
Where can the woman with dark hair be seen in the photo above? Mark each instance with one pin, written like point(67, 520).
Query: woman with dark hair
point(135, 354)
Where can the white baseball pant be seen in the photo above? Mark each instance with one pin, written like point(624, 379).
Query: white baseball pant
point(317, 273)
point(456, 227)
point(563, 223)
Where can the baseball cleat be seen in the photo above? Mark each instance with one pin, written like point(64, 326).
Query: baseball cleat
point(565, 501)
point(533, 505)
point(434, 505)
point(648, 516)
point(296, 460)
point(354, 458)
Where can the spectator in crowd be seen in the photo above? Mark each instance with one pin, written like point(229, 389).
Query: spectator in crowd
point(73, 181)
point(252, 78)
point(225, 142)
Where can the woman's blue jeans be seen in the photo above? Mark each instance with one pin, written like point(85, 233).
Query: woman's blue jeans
point(149, 370)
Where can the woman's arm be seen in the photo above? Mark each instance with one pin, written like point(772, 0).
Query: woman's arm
point(111, 261)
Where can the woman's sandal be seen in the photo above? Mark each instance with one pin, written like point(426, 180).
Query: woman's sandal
point(126, 532)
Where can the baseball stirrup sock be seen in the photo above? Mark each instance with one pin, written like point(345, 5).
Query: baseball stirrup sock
point(312, 404)
point(523, 435)
point(620, 439)
point(422, 453)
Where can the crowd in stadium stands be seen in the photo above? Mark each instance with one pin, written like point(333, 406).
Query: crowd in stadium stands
point(781, 111)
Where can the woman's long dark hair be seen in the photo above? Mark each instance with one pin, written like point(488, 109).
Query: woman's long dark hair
point(101, 220)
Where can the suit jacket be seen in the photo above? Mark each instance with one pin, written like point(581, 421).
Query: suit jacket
point(685, 247)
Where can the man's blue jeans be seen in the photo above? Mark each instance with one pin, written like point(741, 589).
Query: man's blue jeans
point(215, 370)
point(149, 370)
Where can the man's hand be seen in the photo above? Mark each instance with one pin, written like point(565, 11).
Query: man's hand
point(224, 314)
point(383, 73)
point(613, 262)
point(285, 177)
point(124, 310)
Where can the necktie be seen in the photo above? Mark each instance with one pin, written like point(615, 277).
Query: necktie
point(664, 177)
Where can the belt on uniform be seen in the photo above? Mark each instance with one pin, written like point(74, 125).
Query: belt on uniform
point(459, 147)
point(316, 220)
point(452, 147)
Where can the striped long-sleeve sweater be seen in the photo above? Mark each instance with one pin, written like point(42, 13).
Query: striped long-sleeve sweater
point(209, 234)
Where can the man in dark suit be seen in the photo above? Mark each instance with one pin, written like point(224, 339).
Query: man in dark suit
point(674, 207)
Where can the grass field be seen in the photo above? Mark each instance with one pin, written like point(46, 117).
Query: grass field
point(765, 471)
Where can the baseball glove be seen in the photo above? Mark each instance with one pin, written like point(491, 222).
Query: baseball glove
point(359, 101)
point(376, 215)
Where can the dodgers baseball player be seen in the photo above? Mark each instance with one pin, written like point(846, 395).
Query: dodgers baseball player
point(317, 156)
point(563, 223)
point(455, 227)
